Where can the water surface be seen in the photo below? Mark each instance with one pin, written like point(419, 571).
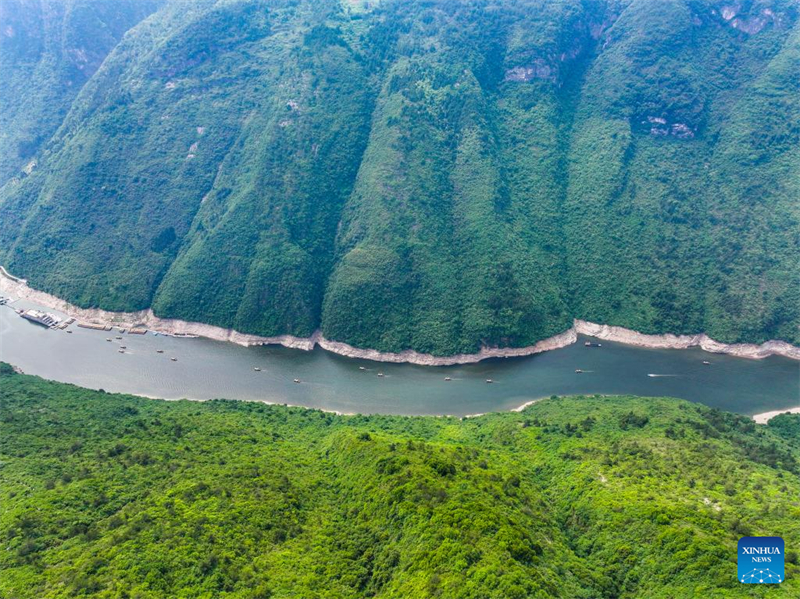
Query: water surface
point(208, 369)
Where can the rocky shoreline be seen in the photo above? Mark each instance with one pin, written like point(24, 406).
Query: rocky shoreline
point(19, 288)
point(703, 341)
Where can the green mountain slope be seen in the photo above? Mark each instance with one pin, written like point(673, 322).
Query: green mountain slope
point(428, 175)
point(48, 50)
point(116, 496)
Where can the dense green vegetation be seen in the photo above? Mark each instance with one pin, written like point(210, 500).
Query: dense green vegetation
point(107, 495)
point(423, 174)
point(48, 50)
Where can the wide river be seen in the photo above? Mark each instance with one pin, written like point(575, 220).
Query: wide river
point(208, 369)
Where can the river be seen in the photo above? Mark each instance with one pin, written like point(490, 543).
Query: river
point(207, 369)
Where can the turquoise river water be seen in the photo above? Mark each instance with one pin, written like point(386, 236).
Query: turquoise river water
point(208, 369)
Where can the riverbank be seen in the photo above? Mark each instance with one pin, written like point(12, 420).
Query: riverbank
point(762, 418)
point(765, 417)
point(703, 341)
point(19, 288)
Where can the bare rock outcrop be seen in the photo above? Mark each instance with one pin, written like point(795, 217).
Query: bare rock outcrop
point(19, 288)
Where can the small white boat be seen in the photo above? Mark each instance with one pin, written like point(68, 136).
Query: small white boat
point(380, 374)
point(706, 362)
point(578, 371)
point(447, 378)
point(489, 381)
point(361, 368)
point(108, 339)
point(159, 351)
point(122, 351)
point(296, 380)
point(174, 359)
point(257, 369)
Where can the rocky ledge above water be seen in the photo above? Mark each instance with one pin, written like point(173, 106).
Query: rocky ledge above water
point(19, 288)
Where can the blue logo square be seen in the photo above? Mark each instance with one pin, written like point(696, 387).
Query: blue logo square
point(761, 560)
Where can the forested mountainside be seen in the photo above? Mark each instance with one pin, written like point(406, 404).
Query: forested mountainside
point(584, 497)
point(48, 50)
point(434, 175)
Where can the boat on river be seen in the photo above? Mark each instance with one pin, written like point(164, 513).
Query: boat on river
point(43, 318)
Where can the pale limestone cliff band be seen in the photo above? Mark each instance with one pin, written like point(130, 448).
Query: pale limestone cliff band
point(19, 288)
point(668, 341)
point(568, 337)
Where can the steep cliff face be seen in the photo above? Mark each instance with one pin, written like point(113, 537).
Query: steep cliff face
point(48, 50)
point(432, 176)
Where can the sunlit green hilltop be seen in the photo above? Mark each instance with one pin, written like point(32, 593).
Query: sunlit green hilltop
point(596, 498)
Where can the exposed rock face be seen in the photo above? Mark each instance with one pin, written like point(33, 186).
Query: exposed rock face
point(145, 318)
point(681, 131)
point(19, 289)
point(742, 350)
point(568, 337)
point(660, 127)
point(729, 11)
point(750, 24)
point(539, 69)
